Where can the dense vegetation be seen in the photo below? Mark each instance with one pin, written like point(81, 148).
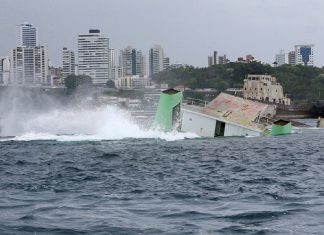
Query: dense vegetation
point(300, 83)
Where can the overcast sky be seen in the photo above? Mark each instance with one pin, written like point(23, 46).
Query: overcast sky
point(188, 30)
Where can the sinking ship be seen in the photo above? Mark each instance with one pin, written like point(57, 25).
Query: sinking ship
point(226, 115)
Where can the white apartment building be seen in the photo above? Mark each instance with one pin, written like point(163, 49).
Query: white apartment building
point(281, 58)
point(68, 66)
point(27, 35)
point(133, 82)
point(112, 62)
point(304, 55)
point(4, 70)
point(264, 88)
point(116, 72)
point(29, 65)
point(93, 51)
point(166, 63)
point(156, 60)
point(292, 58)
point(132, 62)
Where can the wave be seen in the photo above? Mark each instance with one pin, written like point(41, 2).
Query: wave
point(105, 123)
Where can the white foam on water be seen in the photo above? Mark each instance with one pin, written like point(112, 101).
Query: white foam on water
point(106, 123)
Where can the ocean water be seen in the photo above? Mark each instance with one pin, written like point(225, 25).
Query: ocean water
point(81, 172)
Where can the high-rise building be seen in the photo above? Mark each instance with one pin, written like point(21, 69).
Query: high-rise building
point(4, 70)
point(29, 65)
point(304, 55)
point(222, 59)
point(156, 60)
point(68, 63)
point(27, 35)
point(93, 51)
point(116, 72)
point(166, 63)
point(215, 57)
point(210, 61)
point(29, 60)
point(292, 58)
point(249, 58)
point(280, 58)
point(112, 62)
point(132, 62)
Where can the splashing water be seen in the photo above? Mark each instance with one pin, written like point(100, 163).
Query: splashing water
point(105, 123)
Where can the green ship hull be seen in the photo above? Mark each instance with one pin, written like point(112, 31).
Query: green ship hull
point(168, 110)
point(281, 127)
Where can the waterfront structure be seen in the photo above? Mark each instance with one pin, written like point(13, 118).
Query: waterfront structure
point(280, 58)
point(264, 88)
point(132, 62)
point(29, 65)
point(93, 52)
point(27, 35)
point(133, 82)
point(304, 55)
point(227, 115)
point(292, 58)
point(68, 67)
point(156, 60)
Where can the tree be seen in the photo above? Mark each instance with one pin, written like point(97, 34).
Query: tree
point(72, 82)
point(110, 84)
point(301, 83)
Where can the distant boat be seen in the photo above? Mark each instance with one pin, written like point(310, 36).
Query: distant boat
point(281, 127)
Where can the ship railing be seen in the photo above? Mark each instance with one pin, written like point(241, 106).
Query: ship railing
point(194, 101)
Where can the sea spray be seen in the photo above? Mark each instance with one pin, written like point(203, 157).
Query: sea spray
point(102, 123)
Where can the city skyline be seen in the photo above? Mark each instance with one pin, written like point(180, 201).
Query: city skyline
point(188, 30)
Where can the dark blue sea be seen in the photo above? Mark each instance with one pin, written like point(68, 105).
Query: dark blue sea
point(261, 185)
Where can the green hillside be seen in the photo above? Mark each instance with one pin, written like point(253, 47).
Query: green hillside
point(300, 83)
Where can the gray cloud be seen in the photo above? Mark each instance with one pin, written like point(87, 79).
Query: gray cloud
point(187, 29)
